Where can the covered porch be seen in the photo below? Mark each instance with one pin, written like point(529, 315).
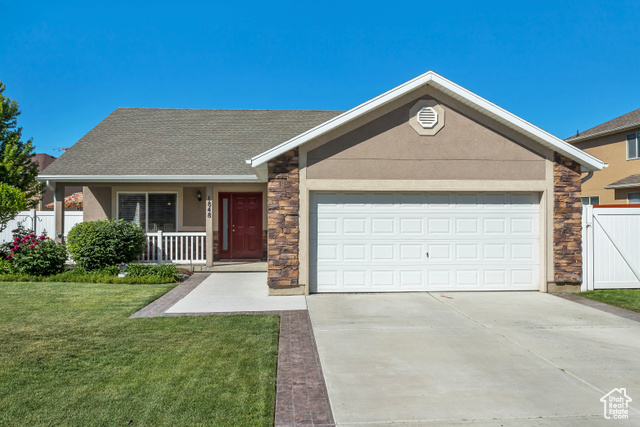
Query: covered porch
point(186, 222)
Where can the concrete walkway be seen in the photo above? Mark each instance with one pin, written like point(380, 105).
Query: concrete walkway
point(487, 359)
point(235, 292)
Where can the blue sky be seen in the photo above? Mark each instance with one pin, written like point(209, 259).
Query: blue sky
point(562, 65)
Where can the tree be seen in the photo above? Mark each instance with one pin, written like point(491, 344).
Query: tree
point(17, 167)
point(12, 201)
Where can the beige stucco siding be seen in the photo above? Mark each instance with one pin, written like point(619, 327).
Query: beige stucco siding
point(194, 211)
point(389, 148)
point(96, 203)
point(611, 149)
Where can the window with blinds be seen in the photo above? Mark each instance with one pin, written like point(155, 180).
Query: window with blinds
point(153, 212)
point(132, 207)
point(162, 212)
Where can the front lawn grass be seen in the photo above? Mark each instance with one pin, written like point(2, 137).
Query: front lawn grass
point(625, 298)
point(69, 355)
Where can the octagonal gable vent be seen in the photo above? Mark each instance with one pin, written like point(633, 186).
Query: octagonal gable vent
point(427, 117)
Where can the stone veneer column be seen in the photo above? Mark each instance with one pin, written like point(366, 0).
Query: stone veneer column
point(283, 203)
point(567, 221)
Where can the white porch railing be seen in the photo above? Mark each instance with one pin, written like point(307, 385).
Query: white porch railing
point(177, 248)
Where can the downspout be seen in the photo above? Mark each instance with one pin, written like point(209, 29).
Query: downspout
point(590, 174)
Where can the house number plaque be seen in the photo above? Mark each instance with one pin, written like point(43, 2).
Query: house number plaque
point(209, 206)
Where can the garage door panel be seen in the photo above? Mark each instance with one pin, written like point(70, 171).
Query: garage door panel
point(495, 226)
point(410, 252)
point(383, 226)
point(440, 226)
point(411, 226)
point(424, 241)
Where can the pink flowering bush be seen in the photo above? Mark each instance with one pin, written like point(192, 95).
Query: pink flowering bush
point(20, 245)
point(32, 254)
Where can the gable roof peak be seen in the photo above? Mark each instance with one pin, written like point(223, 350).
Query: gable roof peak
point(431, 78)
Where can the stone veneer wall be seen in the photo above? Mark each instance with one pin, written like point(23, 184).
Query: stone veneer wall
point(264, 244)
point(567, 221)
point(216, 255)
point(283, 203)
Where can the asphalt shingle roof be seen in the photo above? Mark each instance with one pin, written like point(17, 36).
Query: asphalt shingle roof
point(631, 180)
point(628, 120)
point(152, 141)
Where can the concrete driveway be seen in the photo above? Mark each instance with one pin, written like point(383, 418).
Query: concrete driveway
point(521, 358)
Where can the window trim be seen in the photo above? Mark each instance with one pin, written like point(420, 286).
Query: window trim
point(146, 202)
point(636, 137)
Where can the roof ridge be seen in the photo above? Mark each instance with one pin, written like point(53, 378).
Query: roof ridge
point(221, 109)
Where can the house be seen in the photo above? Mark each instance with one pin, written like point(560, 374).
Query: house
point(616, 143)
point(425, 187)
point(46, 198)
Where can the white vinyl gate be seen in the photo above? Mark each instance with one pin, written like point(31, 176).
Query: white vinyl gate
point(610, 248)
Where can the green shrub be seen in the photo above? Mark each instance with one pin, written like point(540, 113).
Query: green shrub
point(69, 276)
point(6, 266)
point(43, 258)
point(98, 244)
point(164, 271)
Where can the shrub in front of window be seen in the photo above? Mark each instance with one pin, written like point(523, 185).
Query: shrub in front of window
point(38, 255)
point(98, 244)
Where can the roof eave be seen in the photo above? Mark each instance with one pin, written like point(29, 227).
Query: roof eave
point(149, 178)
point(618, 186)
point(575, 139)
point(587, 162)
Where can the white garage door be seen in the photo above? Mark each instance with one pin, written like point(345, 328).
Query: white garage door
point(384, 242)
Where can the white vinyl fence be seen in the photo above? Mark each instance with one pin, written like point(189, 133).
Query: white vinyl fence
point(40, 222)
point(610, 248)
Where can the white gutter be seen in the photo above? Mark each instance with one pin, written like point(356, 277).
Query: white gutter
point(148, 178)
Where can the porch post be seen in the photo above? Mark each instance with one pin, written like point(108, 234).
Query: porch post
point(209, 224)
point(58, 211)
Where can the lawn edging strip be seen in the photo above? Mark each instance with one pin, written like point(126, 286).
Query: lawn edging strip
point(612, 309)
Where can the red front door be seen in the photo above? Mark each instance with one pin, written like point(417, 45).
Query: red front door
point(240, 225)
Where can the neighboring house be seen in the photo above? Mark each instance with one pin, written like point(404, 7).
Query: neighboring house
point(45, 160)
point(617, 143)
point(425, 187)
